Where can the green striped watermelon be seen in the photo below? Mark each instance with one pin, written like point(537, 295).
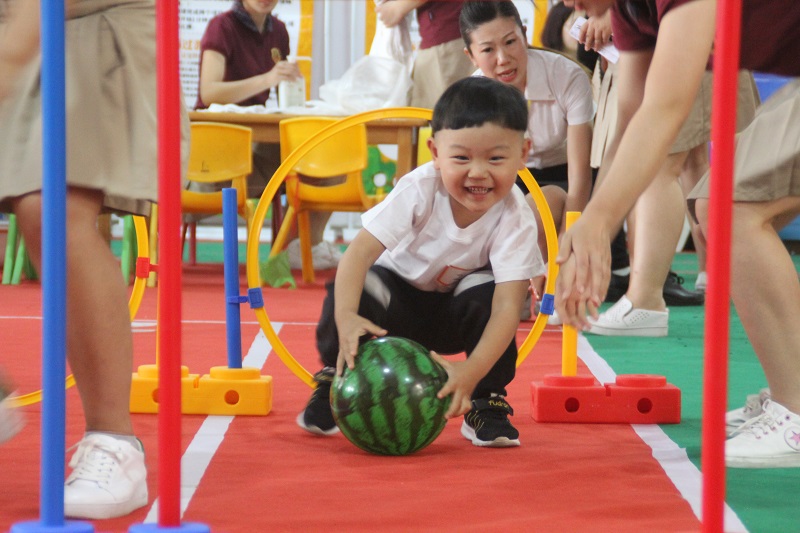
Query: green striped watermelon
point(387, 404)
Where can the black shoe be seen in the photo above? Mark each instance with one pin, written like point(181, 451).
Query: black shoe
point(317, 417)
point(617, 287)
point(676, 295)
point(486, 424)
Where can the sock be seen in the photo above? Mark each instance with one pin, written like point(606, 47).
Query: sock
point(130, 439)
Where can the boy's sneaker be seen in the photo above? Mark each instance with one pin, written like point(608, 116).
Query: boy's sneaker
point(109, 479)
point(622, 319)
point(770, 440)
point(10, 417)
point(317, 417)
point(752, 408)
point(486, 424)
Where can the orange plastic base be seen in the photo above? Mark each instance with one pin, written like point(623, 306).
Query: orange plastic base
point(223, 391)
point(632, 399)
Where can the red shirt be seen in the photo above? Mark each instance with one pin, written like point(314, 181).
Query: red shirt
point(247, 51)
point(770, 30)
point(438, 22)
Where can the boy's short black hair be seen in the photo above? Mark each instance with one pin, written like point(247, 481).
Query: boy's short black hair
point(475, 101)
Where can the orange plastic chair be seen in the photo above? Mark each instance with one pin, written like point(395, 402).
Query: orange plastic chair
point(219, 153)
point(344, 154)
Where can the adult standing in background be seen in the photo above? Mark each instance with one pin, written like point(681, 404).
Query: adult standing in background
point(110, 109)
point(242, 58)
point(559, 97)
point(440, 59)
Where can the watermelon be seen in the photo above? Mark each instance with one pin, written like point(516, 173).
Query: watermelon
point(387, 404)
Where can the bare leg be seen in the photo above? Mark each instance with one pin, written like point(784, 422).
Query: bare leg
point(99, 340)
point(319, 219)
point(693, 170)
point(766, 291)
point(659, 215)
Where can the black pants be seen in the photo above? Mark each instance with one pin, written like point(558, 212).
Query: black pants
point(447, 323)
point(558, 176)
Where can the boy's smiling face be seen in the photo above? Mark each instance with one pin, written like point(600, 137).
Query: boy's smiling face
point(479, 166)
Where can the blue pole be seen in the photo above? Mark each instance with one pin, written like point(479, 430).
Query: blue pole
point(54, 278)
point(230, 248)
point(54, 272)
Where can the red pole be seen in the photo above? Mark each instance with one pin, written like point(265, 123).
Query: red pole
point(723, 128)
point(169, 272)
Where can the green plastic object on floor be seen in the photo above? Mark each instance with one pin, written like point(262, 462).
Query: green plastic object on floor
point(276, 271)
point(16, 262)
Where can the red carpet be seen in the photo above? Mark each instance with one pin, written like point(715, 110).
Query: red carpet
point(268, 475)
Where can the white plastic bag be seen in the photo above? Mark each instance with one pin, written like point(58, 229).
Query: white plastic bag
point(380, 79)
point(372, 82)
point(395, 42)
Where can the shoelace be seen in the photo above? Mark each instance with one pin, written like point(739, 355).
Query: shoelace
point(678, 279)
point(752, 404)
point(94, 461)
point(763, 424)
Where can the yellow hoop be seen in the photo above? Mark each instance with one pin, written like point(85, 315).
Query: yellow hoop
point(133, 306)
point(253, 280)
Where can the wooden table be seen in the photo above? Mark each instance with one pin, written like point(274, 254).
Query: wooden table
point(398, 131)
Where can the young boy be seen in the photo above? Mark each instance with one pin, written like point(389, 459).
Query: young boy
point(445, 260)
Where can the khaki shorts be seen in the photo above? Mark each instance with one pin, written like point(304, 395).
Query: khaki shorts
point(767, 162)
point(695, 131)
point(435, 69)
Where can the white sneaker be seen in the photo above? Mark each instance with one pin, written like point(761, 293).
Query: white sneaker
point(11, 420)
point(109, 479)
point(701, 283)
point(753, 407)
point(621, 319)
point(554, 319)
point(324, 255)
point(770, 440)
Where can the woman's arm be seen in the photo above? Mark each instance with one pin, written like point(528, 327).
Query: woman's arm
point(656, 92)
point(579, 146)
point(391, 12)
point(213, 90)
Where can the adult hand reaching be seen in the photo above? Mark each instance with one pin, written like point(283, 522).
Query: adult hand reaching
point(584, 260)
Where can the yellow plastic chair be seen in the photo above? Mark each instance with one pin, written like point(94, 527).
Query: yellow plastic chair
point(423, 152)
point(219, 153)
point(344, 154)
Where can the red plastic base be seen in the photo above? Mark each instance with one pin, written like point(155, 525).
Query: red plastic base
point(632, 399)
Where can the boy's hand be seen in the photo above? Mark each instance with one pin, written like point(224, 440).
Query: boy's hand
point(351, 328)
point(460, 383)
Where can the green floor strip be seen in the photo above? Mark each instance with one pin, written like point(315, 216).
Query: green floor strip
point(764, 499)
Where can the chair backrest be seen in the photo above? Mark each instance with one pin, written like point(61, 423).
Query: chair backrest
point(344, 153)
point(218, 153)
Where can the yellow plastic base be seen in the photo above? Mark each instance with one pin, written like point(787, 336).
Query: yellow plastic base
point(223, 391)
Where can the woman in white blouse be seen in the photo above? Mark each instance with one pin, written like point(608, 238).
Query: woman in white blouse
point(559, 97)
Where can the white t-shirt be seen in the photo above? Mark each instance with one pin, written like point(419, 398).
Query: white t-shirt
point(559, 94)
point(425, 247)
